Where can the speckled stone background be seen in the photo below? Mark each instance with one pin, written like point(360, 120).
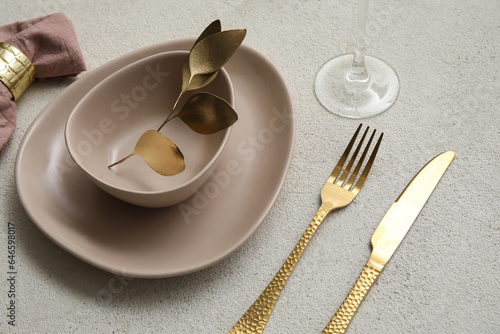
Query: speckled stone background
point(444, 276)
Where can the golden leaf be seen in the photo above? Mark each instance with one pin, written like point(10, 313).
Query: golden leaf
point(200, 80)
point(160, 153)
point(206, 113)
point(211, 53)
point(212, 28)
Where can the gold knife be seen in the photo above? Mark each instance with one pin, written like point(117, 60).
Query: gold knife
point(389, 234)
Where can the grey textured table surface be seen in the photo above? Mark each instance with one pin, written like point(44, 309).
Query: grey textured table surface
point(443, 278)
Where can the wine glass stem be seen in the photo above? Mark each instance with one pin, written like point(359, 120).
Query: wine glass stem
point(358, 69)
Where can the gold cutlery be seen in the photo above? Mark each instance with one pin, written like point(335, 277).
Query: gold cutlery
point(389, 234)
point(338, 192)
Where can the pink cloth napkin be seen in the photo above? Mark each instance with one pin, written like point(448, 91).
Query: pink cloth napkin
point(50, 44)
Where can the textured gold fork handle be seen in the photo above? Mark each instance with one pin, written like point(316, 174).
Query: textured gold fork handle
point(255, 318)
point(349, 306)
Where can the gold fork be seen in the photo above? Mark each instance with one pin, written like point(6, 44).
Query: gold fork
point(338, 192)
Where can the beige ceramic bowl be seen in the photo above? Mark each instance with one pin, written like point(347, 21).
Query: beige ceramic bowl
point(106, 124)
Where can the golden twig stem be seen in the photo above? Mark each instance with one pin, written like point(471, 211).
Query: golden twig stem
point(169, 115)
point(121, 160)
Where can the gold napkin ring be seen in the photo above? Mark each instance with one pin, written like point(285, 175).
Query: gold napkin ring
point(16, 70)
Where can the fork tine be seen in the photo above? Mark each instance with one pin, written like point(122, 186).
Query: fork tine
point(360, 162)
point(336, 171)
point(352, 160)
point(362, 178)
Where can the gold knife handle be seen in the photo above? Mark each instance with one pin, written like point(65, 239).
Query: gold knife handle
point(344, 314)
point(255, 318)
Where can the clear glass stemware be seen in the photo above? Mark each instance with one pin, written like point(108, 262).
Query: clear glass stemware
point(357, 85)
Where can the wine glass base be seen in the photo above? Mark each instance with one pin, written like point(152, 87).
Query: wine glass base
point(366, 99)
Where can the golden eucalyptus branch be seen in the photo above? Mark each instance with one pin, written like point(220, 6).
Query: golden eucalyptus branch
point(204, 113)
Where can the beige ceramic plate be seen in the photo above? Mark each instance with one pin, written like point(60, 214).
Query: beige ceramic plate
point(140, 242)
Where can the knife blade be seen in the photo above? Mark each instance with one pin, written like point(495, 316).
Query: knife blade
point(403, 212)
point(389, 234)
